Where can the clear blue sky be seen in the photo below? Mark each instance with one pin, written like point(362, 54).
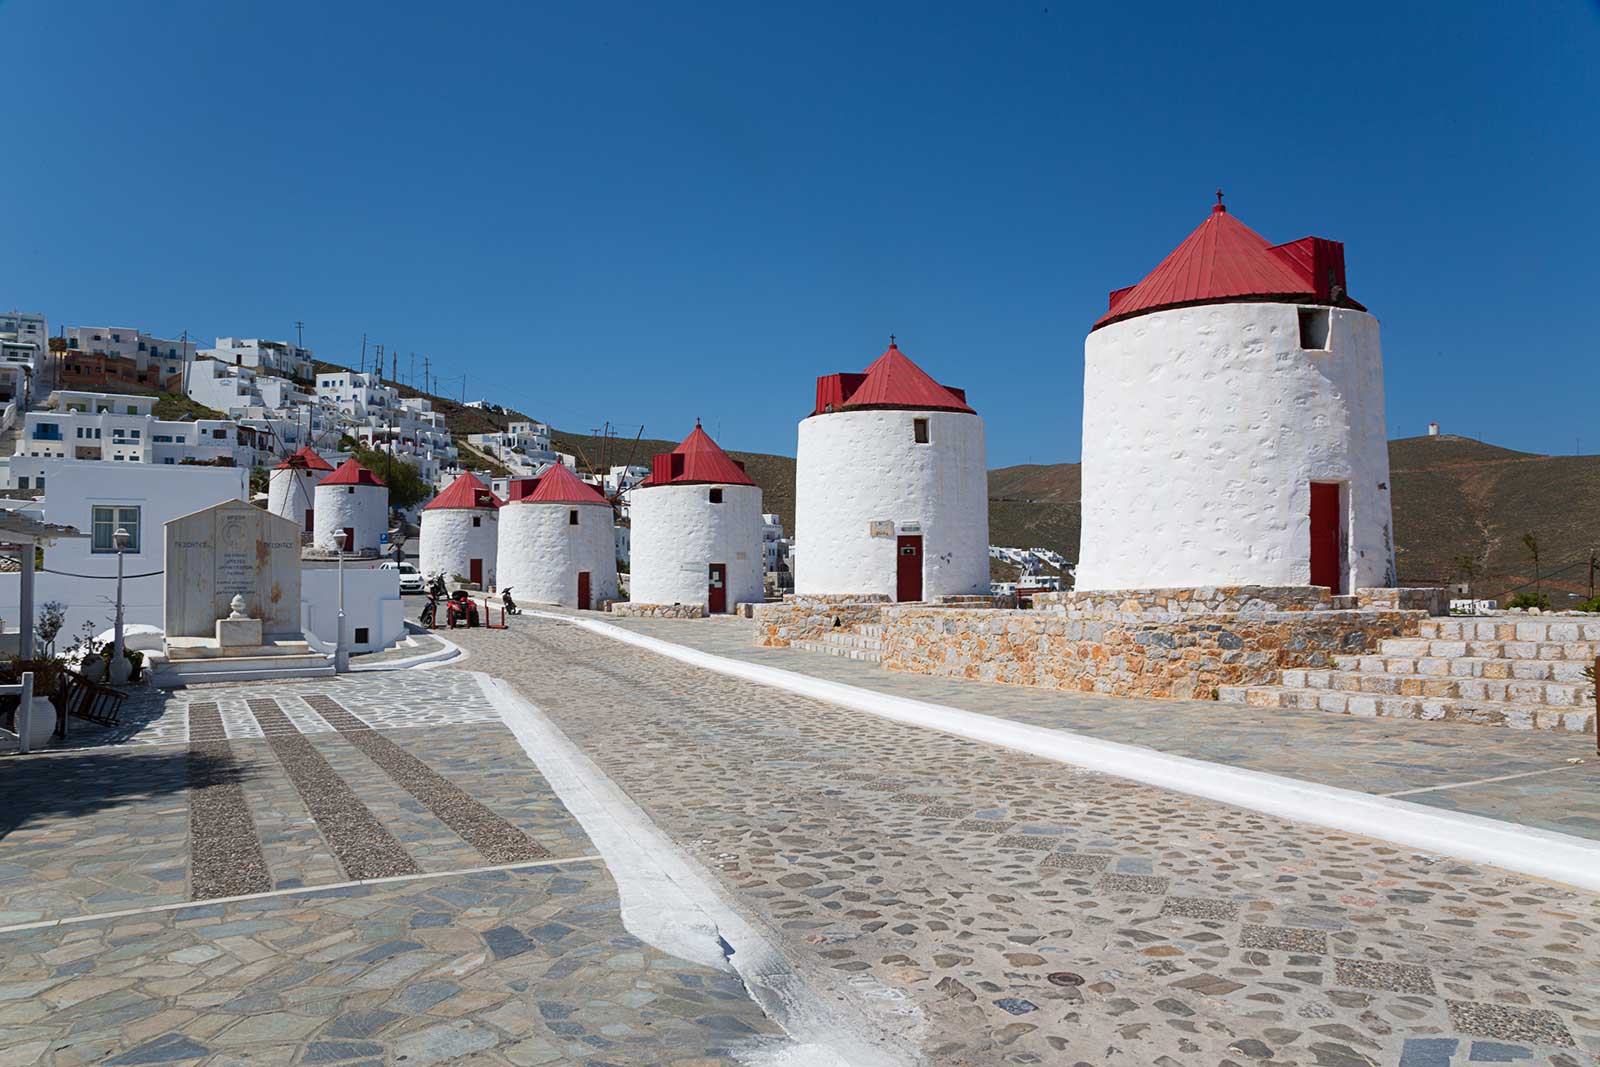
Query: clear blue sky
point(649, 212)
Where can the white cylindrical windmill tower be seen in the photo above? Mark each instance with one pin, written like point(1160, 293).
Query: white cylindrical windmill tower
point(1233, 423)
point(461, 534)
point(292, 485)
point(696, 530)
point(891, 487)
point(557, 543)
point(354, 500)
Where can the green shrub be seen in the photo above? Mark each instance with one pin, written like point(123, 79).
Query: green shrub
point(1589, 605)
point(1529, 600)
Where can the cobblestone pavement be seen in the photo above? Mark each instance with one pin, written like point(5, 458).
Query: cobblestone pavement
point(519, 967)
point(1428, 761)
point(1000, 908)
point(500, 942)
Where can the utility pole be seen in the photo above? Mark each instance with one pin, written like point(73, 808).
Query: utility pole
point(413, 370)
point(394, 367)
point(463, 390)
point(299, 334)
point(377, 366)
point(363, 354)
point(426, 363)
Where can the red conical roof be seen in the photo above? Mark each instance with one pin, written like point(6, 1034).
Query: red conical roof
point(697, 459)
point(467, 491)
point(305, 459)
point(351, 473)
point(556, 485)
point(1225, 261)
point(892, 381)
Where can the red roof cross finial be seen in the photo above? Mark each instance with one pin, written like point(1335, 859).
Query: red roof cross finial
point(1220, 205)
point(891, 340)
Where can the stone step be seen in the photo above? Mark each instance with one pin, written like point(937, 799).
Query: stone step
point(1483, 712)
point(1495, 649)
point(1537, 670)
point(870, 655)
point(1557, 630)
point(1500, 690)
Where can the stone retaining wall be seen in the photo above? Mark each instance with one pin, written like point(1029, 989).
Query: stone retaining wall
point(809, 618)
point(1127, 655)
point(1161, 604)
point(629, 610)
point(1433, 600)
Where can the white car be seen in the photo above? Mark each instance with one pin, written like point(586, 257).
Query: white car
point(410, 577)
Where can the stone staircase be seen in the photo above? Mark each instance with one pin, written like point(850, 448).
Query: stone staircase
point(863, 641)
point(1524, 673)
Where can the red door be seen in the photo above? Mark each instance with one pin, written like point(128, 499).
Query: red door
point(717, 591)
point(583, 590)
point(1325, 539)
point(310, 523)
point(475, 572)
point(908, 568)
point(349, 538)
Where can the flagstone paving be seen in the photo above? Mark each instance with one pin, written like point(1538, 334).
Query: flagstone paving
point(997, 908)
point(1382, 756)
point(500, 944)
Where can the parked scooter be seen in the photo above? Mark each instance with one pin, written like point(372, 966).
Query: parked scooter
point(437, 591)
point(509, 604)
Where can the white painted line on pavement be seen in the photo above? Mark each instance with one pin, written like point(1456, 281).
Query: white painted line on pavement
point(299, 890)
point(1524, 849)
point(1481, 781)
point(668, 901)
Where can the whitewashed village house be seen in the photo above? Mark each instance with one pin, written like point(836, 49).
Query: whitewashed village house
point(292, 486)
point(697, 530)
point(461, 532)
point(556, 542)
point(1233, 428)
point(891, 487)
point(353, 501)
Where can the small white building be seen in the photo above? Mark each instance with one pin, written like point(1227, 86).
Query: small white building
point(24, 353)
point(556, 542)
point(461, 532)
point(357, 394)
point(891, 487)
point(292, 486)
point(1233, 427)
point(120, 428)
point(354, 501)
point(270, 357)
point(96, 498)
point(696, 530)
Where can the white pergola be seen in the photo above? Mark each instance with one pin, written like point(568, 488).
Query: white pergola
point(20, 535)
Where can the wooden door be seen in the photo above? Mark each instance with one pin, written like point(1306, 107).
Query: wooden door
point(717, 590)
point(311, 524)
point(349, 538)
point(908, 568)
point(583, 590)
point(475, 572)
point(1325, 536)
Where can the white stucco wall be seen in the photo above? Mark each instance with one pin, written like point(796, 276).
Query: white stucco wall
point(678, 533)
point(855, 468)
point(366, 511)
point(541, 553)
point(372, 603)
point(291, 493)
point(1203, 428)
point(450, 542)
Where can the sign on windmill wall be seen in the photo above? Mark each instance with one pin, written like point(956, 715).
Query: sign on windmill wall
point(232, 549)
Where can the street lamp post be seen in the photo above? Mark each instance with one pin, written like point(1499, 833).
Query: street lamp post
point(341, 655)
point(119, 670)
